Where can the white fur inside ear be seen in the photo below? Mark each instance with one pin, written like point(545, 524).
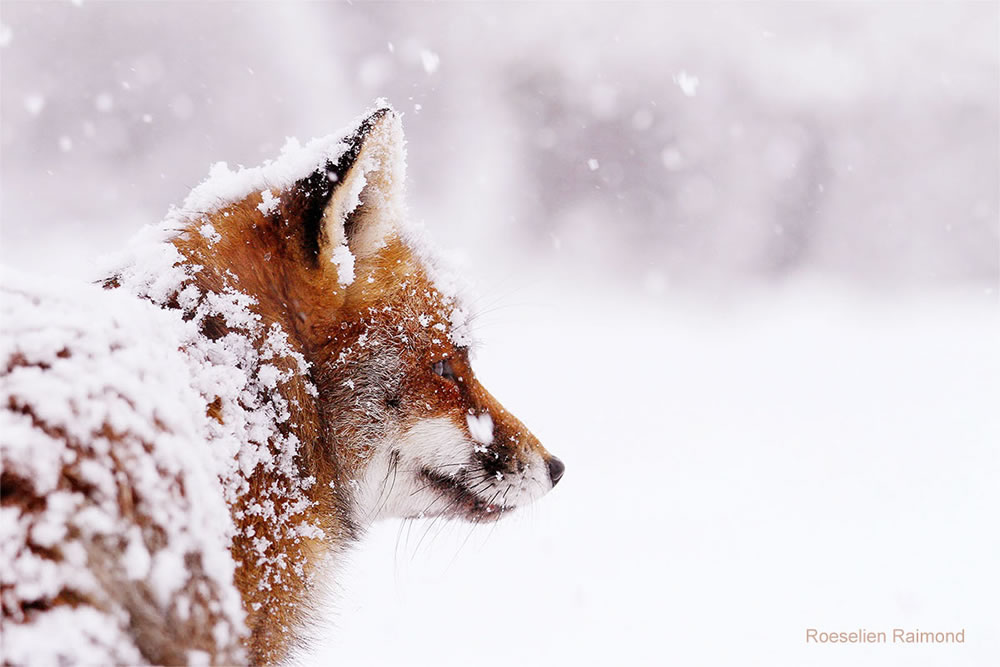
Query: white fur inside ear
point(372, 189)
point(481, 428)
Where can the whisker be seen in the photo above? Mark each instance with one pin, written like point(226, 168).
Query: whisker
point(498, 518)
point(435, 520)
point(393, 467)
point(395, 552)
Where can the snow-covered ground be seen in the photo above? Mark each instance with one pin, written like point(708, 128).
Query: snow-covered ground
point(736, 474)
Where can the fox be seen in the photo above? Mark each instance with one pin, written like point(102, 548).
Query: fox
point(191, 444)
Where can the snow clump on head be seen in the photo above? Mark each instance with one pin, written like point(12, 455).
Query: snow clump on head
point(154, 268)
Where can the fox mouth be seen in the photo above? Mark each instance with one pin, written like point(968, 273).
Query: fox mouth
point(456, 499)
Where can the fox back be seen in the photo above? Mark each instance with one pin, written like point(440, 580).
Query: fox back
point(188, 448)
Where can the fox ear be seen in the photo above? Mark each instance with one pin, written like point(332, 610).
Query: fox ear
point(357, 199)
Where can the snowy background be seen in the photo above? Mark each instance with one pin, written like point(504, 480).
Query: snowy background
point(739, 267)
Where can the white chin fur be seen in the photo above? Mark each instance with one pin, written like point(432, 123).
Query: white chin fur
point(394, 484)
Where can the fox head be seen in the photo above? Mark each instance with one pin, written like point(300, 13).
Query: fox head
point(402, 426)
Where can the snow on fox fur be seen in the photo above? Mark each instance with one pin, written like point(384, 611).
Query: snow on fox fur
point(188, 447)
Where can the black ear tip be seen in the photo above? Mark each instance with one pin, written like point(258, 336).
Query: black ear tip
point(355, 140)
point(382, 109)
point(375, 117)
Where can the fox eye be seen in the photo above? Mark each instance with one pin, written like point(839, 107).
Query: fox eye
point(444, 369)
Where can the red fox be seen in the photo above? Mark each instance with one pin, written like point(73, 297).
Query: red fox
point(188, 447)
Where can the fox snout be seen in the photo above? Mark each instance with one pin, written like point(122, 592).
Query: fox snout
point(461, 455)
point(505, 443)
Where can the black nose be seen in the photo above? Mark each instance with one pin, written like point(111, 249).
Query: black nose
point(556, 470)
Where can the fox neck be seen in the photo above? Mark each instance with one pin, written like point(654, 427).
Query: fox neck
point(288, 518)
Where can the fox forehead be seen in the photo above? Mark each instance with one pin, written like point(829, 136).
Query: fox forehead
point(397, 284)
